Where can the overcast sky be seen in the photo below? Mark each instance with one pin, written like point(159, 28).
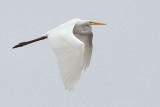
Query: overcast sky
point(125, 66)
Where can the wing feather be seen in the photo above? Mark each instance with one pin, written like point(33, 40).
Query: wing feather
point(87, 40)
point(69, 52)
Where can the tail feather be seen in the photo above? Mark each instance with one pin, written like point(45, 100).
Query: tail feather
point(31, 41)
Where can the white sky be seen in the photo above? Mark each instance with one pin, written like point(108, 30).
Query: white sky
point(125, 66)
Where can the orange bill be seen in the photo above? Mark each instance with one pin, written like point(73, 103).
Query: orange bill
point(97, 23)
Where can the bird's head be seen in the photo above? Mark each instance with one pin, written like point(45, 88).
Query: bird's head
point(84, 26)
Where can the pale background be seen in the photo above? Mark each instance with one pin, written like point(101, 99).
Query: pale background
point(125, 66)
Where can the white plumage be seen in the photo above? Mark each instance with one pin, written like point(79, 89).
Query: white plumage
point(72, 45)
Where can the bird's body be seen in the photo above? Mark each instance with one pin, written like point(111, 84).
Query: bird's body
point(72, 45)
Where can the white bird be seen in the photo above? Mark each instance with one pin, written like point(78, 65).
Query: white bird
point(72, 45)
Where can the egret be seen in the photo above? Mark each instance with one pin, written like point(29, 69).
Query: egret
point(72, 45)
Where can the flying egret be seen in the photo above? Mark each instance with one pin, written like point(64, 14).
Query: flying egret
point(72, 45)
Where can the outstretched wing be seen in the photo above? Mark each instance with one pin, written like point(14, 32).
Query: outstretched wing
point(87, 40)
point(69, 52)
